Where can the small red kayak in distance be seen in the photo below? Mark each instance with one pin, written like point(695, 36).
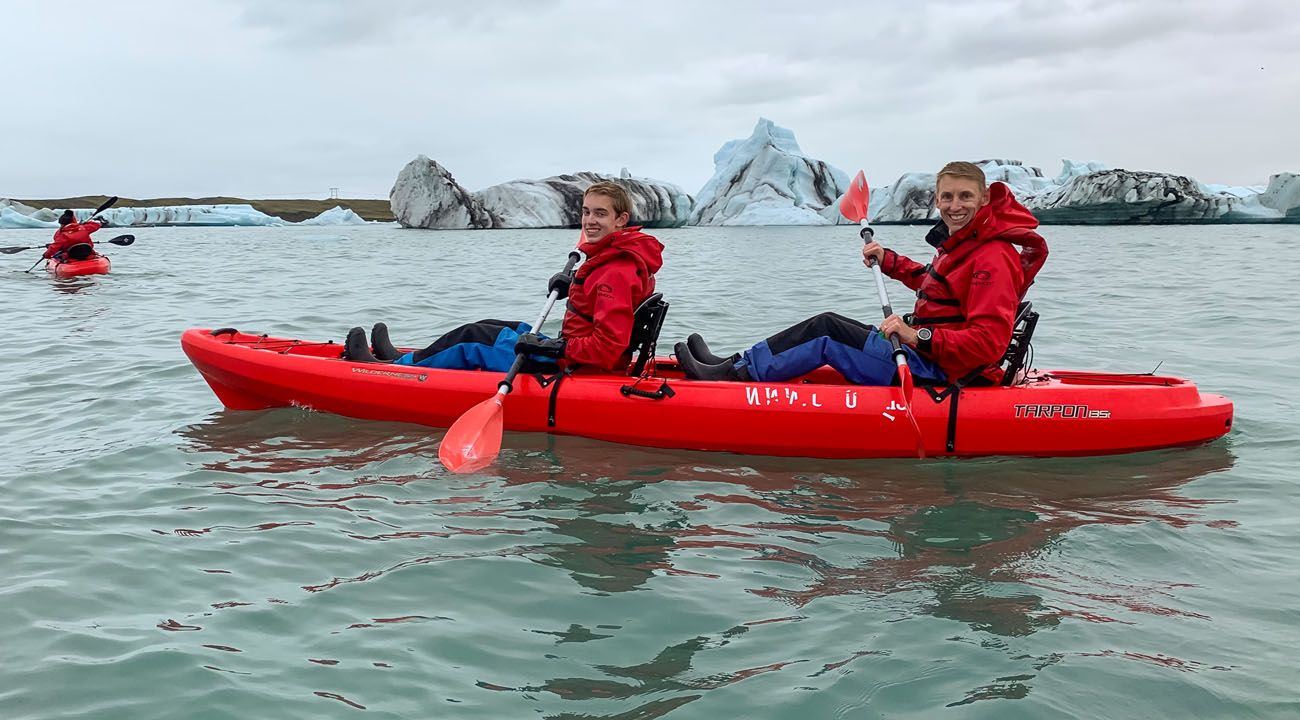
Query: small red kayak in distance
point(1050, 413)
point(94, 265)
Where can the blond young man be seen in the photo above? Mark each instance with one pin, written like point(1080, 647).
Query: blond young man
point(987, 255)
point(616, 276)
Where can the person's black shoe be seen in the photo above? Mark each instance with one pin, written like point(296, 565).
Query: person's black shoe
point(696, 370)
point(354, 348)
point(381, 346)
point(700, 350)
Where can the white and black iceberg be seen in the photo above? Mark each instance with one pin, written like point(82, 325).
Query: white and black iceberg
point(1092, 194)
point(766, 179)
point(427, 196)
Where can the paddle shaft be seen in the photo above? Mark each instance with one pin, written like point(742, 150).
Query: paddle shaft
point(107, 204)
point(854, 206)
point(507, 383)
point(900, 356)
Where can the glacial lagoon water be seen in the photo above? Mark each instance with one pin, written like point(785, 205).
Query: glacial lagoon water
point(162, 557)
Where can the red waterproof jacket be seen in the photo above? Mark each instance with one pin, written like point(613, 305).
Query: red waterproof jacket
point(616, 277)
point(72, 234)
point(968, 294)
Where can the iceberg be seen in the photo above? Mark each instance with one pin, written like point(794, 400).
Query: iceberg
point(185, 215)
point(1120, 197)
point(1089, 193)
point(190, 215)
point(426, 195)
point(1071, 169)
point(16, 215)
point(1283, 195)
point(16, 206)
point(766, 179)
point(11, 218)
point(336, 215)
point(173, 215)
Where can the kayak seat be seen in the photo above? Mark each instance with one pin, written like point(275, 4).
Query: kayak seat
point(647, 321)
point(1022, 331)
point(1012, 361)
point(80, 251)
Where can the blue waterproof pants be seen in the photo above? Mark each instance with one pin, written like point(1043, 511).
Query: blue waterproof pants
point(858, 351)
point(482, 345)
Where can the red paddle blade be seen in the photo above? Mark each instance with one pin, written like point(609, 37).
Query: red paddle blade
point(853, 206)
point(916, 428)
point(473, 441)
point(905, 378)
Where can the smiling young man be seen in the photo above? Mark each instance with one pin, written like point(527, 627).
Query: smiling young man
point(617, 275)
point(965, 307)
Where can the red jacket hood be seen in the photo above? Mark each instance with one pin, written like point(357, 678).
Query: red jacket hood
point(647, 250)
point(1004, 218)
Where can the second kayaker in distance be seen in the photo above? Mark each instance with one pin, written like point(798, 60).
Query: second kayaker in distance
point(72, 240)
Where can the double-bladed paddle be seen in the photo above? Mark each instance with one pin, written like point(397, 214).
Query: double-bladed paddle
point(122, 240)
point(853, 206)
point(474, 440)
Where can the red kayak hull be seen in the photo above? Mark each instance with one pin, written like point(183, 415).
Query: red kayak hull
point(1055, 413)
point(97, 265)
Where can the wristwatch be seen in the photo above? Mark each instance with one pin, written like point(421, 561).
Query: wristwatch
point(923, 338)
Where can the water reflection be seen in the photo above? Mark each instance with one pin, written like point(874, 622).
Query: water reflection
point(967, 537)
point(584, 538)
point(72, 286)
point(667, 673)
point(965, 541)
point(297, 441)
point(608, 556)
point(966, 531)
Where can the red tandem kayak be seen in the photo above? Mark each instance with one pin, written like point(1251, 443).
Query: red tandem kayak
point(95, 265)
point(1052, 413)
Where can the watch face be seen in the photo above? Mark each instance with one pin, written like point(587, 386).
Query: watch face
point(924, 334)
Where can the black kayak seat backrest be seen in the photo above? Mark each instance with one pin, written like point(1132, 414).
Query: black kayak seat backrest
point(1022, 331)
point(647, 321)
point(80, 251)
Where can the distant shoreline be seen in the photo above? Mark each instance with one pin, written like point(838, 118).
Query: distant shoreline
point(287, 210)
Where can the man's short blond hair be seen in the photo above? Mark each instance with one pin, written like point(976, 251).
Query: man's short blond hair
point(616, 193)
point(962, 169)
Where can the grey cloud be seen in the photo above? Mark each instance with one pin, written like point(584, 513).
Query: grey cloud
point(347, 22)
point(760, 80)
point(1043, 29)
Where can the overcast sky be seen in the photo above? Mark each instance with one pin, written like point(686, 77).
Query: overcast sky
point(288, 98)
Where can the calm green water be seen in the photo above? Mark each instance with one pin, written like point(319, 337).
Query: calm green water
point(164, 558)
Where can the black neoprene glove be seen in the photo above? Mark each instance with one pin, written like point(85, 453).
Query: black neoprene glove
point(533, 344)
point(559, 284)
